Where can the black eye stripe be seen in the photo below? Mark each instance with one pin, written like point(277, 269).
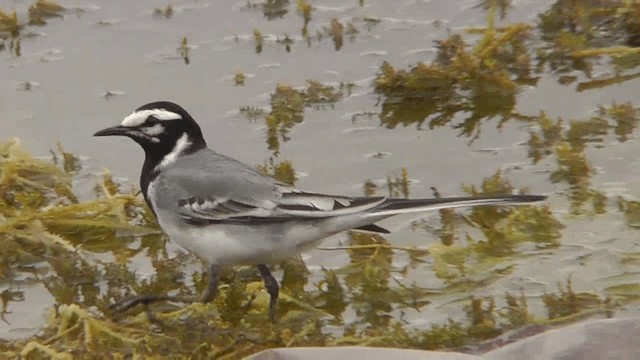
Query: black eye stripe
point(151, 121)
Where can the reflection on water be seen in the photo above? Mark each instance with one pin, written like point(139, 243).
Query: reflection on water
point(12, 30)
point(568, 146)
point(287, 109)
point(487, 262)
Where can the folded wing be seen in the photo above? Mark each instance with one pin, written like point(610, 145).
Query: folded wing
point(289, 204)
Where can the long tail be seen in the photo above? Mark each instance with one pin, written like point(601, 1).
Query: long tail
point(404, 206)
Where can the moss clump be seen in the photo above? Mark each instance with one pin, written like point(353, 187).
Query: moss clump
point(287, 108)
point(517, 311)
point(304, 9)
point(567, 302)
point(43, 10)
point(184, 49)
point(481, 80)
point(459, 80)
point(568, 145)
point(504, 227)
point(239, 78)
point(273, 9)
point(166, 13)
point(258, 40)
point(337, 33)
point(631, 210)
point(282, 171)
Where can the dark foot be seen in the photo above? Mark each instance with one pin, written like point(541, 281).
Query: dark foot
point(128, 303)
point(272, 287)
point(207, 295)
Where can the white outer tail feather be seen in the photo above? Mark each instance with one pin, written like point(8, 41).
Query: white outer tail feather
point(462, 202)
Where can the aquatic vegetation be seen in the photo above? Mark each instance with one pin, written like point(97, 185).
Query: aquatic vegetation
point(568, 146)
point(184, 49)
point(286, 41)
point(239, 78)
point(258, 40)
point(283, 170)
point(166, 13)
point(576, 33)
point(11, 30)
point(517, 311)
point(318, 94)
point(287, 108)
point(252, 113)
point(482, 79)
point(43, 10)
point(492, 6)
point(631, 210)
point(567, 302)
point(399, 186)
point(480, 82)
point(504, 228)
point(83, 247)
point(304, 9)
point(272, 9)
point(45, 222)
point(9, 24)
point(337, 33)
point(334, 29)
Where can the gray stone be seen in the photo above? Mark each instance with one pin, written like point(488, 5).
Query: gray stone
point(607, 339)
point(357, 352)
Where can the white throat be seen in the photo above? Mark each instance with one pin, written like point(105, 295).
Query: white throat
point(181, 145)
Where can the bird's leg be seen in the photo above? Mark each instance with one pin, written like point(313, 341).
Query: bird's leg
point(272, 287)
point(207, 295)
point(212, 284)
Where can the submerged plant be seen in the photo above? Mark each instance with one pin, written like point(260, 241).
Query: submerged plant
point(239, 78)
point(166, 13)
point(43, 10)
point(258, 40)
point(287, 108)
point(568, 145)
point(184, 49)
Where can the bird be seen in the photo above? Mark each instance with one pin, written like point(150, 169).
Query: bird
point(227, 213)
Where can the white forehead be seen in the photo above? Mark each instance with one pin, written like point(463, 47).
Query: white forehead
point(137, 118)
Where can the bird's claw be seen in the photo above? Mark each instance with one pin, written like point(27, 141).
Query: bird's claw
point(130, 302)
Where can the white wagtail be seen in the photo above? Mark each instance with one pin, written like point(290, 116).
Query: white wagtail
point(228, 213)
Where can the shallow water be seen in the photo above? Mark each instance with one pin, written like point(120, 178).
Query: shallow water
point(119, 48)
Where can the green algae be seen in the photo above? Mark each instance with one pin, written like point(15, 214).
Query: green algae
point(239, 78)
point(568, 146)
point(304, 9)
point(566, 302)
point(287, 109)
point(166, 13)
point(631, 211)
point(258, 40)
point(43, 10)
point(12, 32)
point(43, 221)
point(482, 79)
point(81, 323)
point(282, 171)
point(184, 50)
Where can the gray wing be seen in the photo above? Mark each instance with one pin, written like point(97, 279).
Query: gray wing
point(211, 188)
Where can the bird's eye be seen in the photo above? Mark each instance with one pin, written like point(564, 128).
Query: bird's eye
point(151, 121)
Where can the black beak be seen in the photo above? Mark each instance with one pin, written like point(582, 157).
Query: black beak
point(113, 131)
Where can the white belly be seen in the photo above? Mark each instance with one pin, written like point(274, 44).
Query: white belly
point(241, 244)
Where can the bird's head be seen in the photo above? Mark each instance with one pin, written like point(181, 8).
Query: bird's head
point(161, 128)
